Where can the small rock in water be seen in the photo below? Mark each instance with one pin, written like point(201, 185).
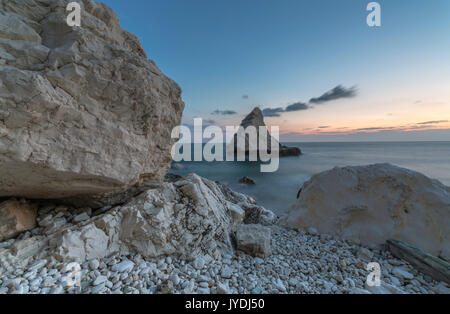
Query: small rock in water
point(247, 180)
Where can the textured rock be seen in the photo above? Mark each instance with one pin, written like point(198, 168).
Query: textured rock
point(255, 214)
point(16, 217)
point(82, 109)
point(256, 119)
point(370, 204)
point(254, 240)
point(247, 180)
point(190, 217)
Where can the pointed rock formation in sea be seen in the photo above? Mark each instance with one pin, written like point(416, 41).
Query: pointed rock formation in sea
point(256, 119)
point(83, 112)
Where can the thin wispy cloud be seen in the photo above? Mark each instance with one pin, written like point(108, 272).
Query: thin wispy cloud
point(433, 122)
point(336, 93)
point(224, 112)
point(272, 112)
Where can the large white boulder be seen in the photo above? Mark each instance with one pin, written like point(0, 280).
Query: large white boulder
point(370, 204)
point(83, 112)
point(190, 217)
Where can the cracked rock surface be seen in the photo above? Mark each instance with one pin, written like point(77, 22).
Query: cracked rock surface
point(83, 113)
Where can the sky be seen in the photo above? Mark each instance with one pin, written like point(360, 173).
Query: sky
point(314, 67)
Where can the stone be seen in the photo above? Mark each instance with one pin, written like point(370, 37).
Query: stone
point(37, 265)
point(254, 240)
point(359, 291)
point(81, 217)
point(167, 288)
point(255, 214)
point(175, 279)
point(371, 204)
point(384, 288)
point(99, 288)
point(402, 274)
point(99, 280)
point(85, 115)
point(226, 272)
point(199, 262)
point(16, 217)
point(94, 264)
point(158, 224)
point(237, 214)
point(365, 254)
point(155, 225)
point(222, 288)
point(125, 266)
point(247, 180)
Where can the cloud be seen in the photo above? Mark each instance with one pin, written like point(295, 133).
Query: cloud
point(272, 112)
point(297, 107)
point(224, 112)
point(433, 122)
point(336, 93)
point(209, 121)
point(375, 129)
point(324, 127)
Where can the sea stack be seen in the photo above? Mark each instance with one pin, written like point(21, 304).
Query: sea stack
point(256, 119)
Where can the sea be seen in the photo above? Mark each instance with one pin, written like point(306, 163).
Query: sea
point(277, 191)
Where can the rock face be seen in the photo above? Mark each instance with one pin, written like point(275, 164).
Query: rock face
point(188, 218)
point(256, 119)
point(254, 240)
point(16, 217)
point(370, 204)
point(83, 112)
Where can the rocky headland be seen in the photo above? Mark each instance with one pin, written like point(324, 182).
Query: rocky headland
point(86, 206)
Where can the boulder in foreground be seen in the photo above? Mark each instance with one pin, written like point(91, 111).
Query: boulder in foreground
point(254, 240)
point(83, 112)
point(371, 204)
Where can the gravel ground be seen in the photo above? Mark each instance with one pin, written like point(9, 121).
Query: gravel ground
point(301, 262)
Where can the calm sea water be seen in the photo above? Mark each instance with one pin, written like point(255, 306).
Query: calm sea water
point(277, 191)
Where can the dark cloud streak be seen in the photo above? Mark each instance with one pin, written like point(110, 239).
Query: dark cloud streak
point(224, 112)
point(336, 93)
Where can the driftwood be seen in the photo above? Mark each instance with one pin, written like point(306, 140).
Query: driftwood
point(428, 264)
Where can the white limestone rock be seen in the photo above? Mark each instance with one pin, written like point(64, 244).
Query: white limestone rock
point(82, 109)
point(254, 240)
point(370, 204)
point(187, 218)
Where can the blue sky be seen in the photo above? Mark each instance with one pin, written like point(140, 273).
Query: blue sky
point(288, 51)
